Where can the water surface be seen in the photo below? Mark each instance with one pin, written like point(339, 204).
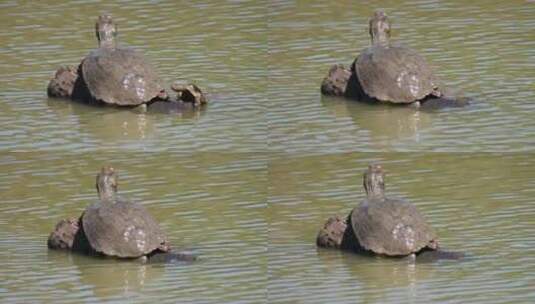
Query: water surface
point(480, 204)
point(483, 49)
point(221, 47)
point(202, 175)
point(247, 182)
point(211, 206)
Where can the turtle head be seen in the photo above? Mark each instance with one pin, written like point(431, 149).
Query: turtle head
point(374, 181)
point(107, 184)
point(379, 28)
point(106, 31)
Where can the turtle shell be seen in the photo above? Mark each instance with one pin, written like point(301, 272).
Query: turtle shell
point(120, 76)
point(394, 74)
point(121, 229)
point(391, 227)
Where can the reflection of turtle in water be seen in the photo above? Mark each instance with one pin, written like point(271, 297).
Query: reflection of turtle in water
point(113, 227)
point(112, 75)
point(381, 225)
point(387, 72)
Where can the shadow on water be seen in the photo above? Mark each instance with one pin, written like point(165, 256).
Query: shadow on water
point(110, 123)
point(379, 273)
point(108, 277)
point(382, 121)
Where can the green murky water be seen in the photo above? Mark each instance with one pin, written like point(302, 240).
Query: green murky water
point(479, 203)
point(247, 183)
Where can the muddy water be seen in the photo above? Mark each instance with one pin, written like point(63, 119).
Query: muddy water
point(482, 49)
point(479, 203)
point(246, 183)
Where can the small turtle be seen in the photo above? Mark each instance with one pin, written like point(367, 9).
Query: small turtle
point(189, 92)
point(389, 226)
point(392, 73)
point(118, 76)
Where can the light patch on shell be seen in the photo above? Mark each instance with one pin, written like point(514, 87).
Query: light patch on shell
point(135, 82)
point(404, 234)
point(406, 79)
point(138, 235)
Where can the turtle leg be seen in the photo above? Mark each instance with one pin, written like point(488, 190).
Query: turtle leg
point(158, 257)
point(434, 103)
point(428, 255)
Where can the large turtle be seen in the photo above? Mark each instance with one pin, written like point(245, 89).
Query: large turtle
point(384, 226)
point(389, 226)
point(118, 76)
point(117, 227)
point(66, 83)
point(390, 72)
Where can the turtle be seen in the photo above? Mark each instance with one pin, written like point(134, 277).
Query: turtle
point(117, 227)
point(384, 226)
point(66, 84)
point(115, 75)
point(114, 227)
point(390, 72)
point(389, 226)
point(120, 77)
point(68, 236)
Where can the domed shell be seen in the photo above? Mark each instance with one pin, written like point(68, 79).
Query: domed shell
point(391, 227)
point(121, 229)
point(394, 74)
point(118, 76)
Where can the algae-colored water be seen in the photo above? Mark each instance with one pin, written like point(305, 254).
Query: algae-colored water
point(246, 183)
